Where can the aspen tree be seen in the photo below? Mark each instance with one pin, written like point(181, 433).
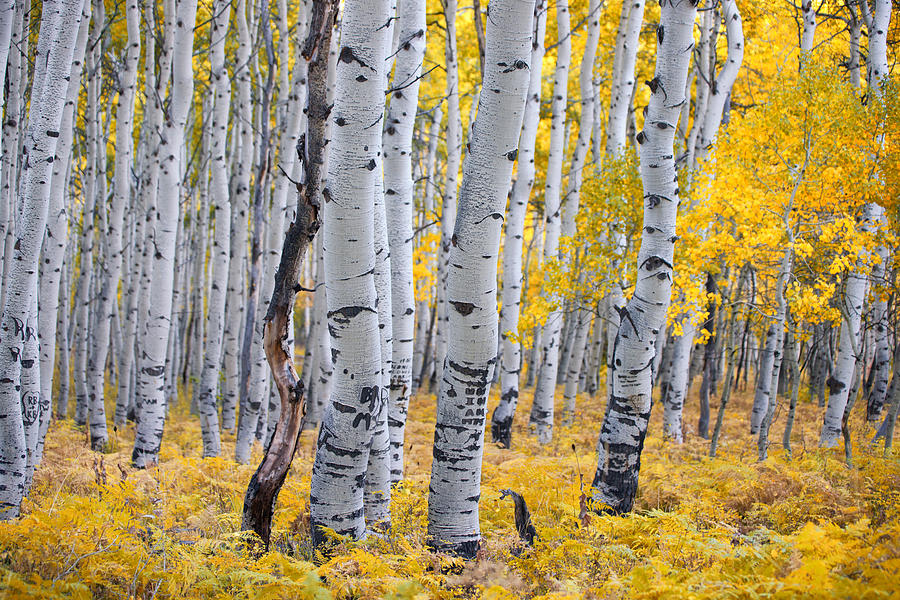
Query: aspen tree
point(624, 61)
point(151, 410)
point(471, 284)
point(421, 358)
point(542, 407)
point(511, 349)
point(712, 93)
point(451, 178)
point(212, 360)
point(585, 122)
point(624, 427)
point(12, 126)
point(398, 192)
point(56, 237)
point(59, 27)
point(121, 197)
point(337, 486)
point(856, 283)
point(235, 305)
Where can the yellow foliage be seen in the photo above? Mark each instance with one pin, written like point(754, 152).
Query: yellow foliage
point(93, 527)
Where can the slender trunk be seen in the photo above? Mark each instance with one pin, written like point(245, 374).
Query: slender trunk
point(398, 190)
point(338, 477)
point(779, 348)
point(585, 122)
point(449, 206)
point(240, 214)
point(121, 197)
point(674, 397)
point(471, 289)
point(56, 235)
point(215, 326)
point(852, 306)
point(262, 492)
point(59, 28)
point(576, 360)
point(625, 425)
point(792, 352)
point(152, 403)
point(542, 408)
point(511, 349)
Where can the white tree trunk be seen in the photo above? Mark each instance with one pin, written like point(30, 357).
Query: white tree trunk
point(12, 129)
point(511, 349)
point(240, 214)
point(807, 38)
point(56, 234)
point(778, 355)
point(586, 120)
point(576, 360)
point(853, 300)
point(121, 198)
point(337, 486)
point(221, 246)
point(625, 424)
point(449, 207)
point(399, 191)
point(542, 407)
point(763, 379)
point(152, 406)
point(422, 335)
point(673, 402)
point(59, 25)
point(471, 287)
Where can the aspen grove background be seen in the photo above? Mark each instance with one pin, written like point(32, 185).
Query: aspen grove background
point(449, 299)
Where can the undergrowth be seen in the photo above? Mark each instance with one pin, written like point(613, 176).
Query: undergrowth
point(729, 527)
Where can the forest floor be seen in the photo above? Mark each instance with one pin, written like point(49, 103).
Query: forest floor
point(729, 527)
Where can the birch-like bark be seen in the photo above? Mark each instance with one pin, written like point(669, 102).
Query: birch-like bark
point(876, 73)
point(720, 85)
point(624, 61)
point(852, 306)
point(792, 353)
point(882, 357)
point(398, 192)
point(574, 370)
point(56, 234)
point(471, 283)
point(779, 324)
point(761, 397)
point(623, 82)
point(12, 128)
point(338, 477)
point(585, 123)
point(59, 27)
point(84, 292)
point(673, 400)
point(807, 36)
point(511, 349)
point(731, 360)
point(378, 472)
point(120, 199)
point(240, 213)
point(451, 177)
point(542, 407)
point(625, 425)
point(421, 354)
point(62, 334)
point(215, 326)
point(152, 407)
point(254, 371)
